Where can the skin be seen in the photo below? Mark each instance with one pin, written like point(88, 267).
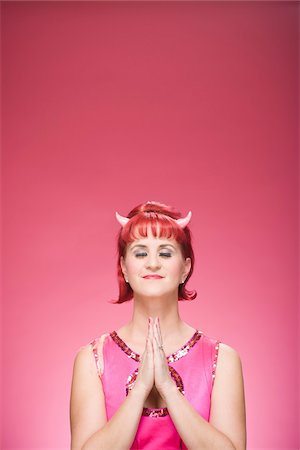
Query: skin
point(154, 369)
point(156, 321)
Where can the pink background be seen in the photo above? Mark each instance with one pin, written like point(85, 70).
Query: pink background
point(106, 105)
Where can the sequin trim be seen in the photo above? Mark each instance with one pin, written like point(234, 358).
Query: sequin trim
point(98, 344)
point(217, 346)
point(155, 412)
point(185, 348)
point(171, 358)
point(124, 347)
point(174, 374)
point(96, 357)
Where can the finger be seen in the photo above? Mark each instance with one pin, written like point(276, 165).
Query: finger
point(150, 337)
point(159, 331)
point(148, 345)
point(154, 327)
point(149, 325)
point(154, 335)
point(155, 338)
point(148, 334)
point(156, 349)
point(157, 344)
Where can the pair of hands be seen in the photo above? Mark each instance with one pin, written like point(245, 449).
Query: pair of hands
point(154, 369)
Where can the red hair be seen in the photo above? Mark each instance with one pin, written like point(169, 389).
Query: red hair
point(159, 217)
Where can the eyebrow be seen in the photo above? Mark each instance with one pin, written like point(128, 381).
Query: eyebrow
point(145, 246)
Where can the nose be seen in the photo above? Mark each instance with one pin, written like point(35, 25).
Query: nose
point(153, 262)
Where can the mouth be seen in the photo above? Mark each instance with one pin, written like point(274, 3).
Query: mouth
point(152, 277)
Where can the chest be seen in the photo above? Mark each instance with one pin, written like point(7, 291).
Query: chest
point(190, 367)
point(154, 400)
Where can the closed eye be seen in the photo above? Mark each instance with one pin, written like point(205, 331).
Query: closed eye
point(163, 254)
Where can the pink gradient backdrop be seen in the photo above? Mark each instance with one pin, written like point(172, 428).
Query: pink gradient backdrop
point(106, 105)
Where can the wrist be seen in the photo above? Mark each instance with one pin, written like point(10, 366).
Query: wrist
point(168, 390)
point(138, 392)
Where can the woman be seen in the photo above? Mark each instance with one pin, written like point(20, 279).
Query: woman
point(156, 383)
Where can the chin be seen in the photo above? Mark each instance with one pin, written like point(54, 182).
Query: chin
point(154, 293)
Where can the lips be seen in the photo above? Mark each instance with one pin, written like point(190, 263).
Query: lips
point(152, 277)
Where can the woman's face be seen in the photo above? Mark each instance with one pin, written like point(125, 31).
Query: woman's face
point(155, 266)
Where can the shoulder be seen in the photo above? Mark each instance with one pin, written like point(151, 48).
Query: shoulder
point(223, 357)
point(228, 375)
point(224, 352)
point(93, 345)
point(85, 352)
point(228, 357)
point(91, 353)
point(226, 349)
point(84, 360)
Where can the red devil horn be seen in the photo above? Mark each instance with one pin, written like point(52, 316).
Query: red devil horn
point(185, 220)
point(122, 220)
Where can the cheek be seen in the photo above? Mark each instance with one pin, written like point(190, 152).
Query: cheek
point(133, 266)
point(176, 270)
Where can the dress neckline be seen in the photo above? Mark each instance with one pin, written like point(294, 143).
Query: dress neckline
point(182, 351)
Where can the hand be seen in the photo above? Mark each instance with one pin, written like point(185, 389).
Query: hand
point(162, 376)
point(145, 378)
point(153, 367)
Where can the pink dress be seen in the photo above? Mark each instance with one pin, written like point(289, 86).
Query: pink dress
point(192, 368)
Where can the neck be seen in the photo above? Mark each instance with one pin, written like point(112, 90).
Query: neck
point(164, 308)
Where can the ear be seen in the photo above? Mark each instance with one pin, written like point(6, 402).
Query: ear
point(123, 266)
point(187, 267)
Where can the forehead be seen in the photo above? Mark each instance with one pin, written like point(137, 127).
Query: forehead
point(150, 229)
point(152, 233)
point(148, 238)
point(153, 241)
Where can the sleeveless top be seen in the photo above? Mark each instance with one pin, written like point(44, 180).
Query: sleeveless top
point(192, 368)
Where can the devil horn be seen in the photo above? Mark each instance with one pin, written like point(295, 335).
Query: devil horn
point(122, 220)
point(184, 221)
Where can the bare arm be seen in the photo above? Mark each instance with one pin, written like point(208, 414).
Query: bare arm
point(226, 428)
point(90, 429)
